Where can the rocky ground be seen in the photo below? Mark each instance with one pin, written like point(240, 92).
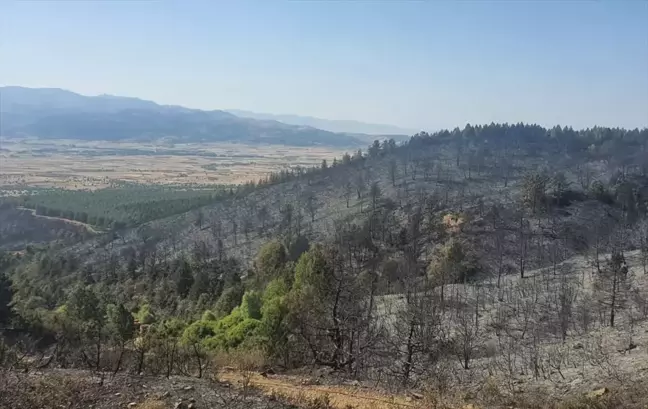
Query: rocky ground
point(76, 389)
point(82, 389)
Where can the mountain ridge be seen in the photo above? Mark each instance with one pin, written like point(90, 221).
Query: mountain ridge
point(53, 113)
point(332, 125)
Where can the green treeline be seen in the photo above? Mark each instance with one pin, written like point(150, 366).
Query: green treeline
point(117, 207)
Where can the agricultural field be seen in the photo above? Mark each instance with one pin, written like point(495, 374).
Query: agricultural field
point(81, 165)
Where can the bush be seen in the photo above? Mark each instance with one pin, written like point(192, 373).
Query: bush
point(209, 316)
point(198, 331)
point(229, 299)
point(251, 305)
point(229, 321)
point(245, 331)
point(270, 260)
point(144, 315)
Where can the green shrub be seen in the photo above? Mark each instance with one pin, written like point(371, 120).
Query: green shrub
point(246, 330)
point(144, 315)
point(209, 316)
point(198, 331)
point(229, 299)
point(251, 305)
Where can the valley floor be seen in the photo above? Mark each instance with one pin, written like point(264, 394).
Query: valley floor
point(74, 164)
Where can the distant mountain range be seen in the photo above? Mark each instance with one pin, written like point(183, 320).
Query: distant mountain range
point(53, 113)
point(332, 125)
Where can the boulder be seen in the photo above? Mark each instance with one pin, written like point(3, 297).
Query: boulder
point(597, 393)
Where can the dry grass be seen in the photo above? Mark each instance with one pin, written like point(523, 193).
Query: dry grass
point(78, 389)
point(244, 361)
point(153, 404)
point(19, 391)
point(66, 164)
point(302, 394)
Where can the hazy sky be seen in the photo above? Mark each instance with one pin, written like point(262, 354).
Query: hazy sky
point(416, 64)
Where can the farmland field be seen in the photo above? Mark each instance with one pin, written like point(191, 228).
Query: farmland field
point(73, 164)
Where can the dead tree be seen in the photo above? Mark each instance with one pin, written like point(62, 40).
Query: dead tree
point(523, 233)
point(392, 171)
point(263, 215)
point(466, 330)
point(612, 285)
point(311, 206)
point(360, 185)
point(348, 190)
point(414, 164)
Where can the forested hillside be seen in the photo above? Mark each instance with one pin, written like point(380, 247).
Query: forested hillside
point(463, 171)
point(498, 254)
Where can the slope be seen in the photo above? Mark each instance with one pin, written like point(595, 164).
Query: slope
point(501, 258)
point(429, 176)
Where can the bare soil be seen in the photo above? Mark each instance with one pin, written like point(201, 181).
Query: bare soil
point(84, 389)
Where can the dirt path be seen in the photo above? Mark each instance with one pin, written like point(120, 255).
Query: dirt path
point(88, 227)
point(302, 391)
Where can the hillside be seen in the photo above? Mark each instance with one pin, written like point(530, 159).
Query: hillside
point(431, 175)
point(489, 263)
point(20, 228)
point(60, 114)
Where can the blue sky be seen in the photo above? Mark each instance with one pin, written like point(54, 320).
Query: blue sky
point(421, 65)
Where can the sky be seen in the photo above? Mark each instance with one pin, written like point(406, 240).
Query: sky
point(417, 64)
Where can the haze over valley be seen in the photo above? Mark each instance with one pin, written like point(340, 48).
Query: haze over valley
point(57, 138)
